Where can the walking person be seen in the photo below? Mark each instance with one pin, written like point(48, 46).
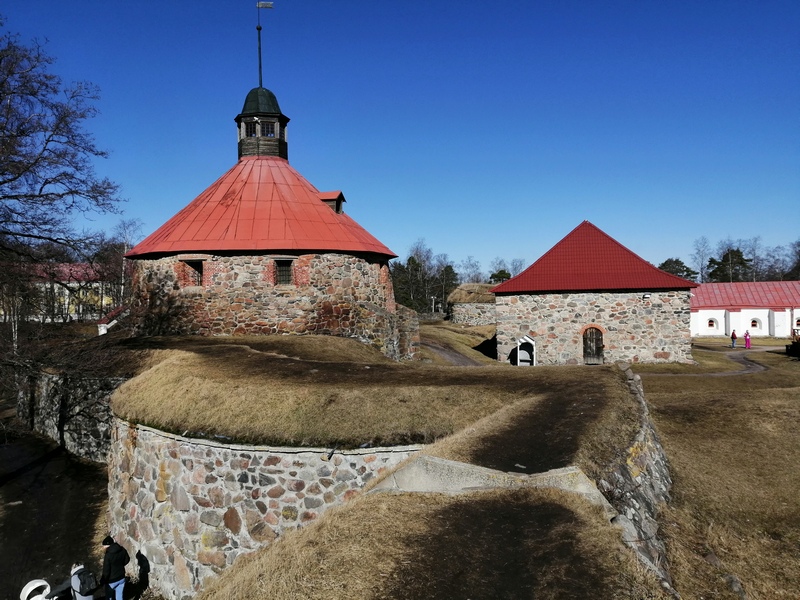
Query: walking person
point(114, 561)
point(747, 339)
point(733, 339)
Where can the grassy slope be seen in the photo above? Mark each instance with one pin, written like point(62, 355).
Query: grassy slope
point(255, 390)
point(545, 418)
point(732, 443)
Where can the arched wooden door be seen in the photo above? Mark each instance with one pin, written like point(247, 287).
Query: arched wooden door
point(592, 346)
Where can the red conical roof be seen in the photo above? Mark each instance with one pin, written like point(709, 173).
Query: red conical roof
point(260, 205)
point(588, 259)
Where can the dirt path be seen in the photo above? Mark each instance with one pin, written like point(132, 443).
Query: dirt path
point(743, 359)
point(454, 358)
point(737, 356)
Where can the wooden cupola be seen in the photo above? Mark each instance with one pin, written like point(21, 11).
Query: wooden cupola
point(262, 126)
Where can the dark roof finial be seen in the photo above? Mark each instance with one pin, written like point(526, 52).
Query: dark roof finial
point(260, 5)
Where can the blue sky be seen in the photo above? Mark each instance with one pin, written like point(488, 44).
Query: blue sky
point(489, 129)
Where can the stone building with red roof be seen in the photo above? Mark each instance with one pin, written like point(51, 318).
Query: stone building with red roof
point(262, 251)
point(764, 308)
point(591, 300)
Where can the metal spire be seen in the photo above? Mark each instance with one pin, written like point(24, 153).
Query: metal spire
point(260, 5)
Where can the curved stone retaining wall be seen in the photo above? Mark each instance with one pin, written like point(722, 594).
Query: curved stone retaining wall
point(72, 410)
point(193, 506)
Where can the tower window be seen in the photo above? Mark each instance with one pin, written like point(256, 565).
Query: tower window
point(250, 129)
point(283, 272)
point(194, 272)
point(268, 129)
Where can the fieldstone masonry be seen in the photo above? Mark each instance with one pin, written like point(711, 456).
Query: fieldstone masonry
point(473, 313)
point(329, 294)
point(71, 410)
point(637, 486)
point(193, 506)
point(635, 328)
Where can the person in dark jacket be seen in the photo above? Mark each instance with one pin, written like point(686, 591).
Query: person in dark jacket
point(114, 562)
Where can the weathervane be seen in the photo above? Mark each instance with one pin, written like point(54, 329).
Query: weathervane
point(260, 5)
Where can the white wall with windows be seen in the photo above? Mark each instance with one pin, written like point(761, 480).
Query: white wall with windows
point(760, 322)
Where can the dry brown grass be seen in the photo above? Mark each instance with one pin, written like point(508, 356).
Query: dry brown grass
point(493, 545)
point(708, 361)
point(539, 544)
point(211, 388)
point(733, 445)
point(472, 293)
point(567, 423)
point(468, 340)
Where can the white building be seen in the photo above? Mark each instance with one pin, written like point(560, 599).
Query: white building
point(764, 308)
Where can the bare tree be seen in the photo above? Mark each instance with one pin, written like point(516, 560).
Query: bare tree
point(424, 280)
point(776, 264)
point(517, 266)
point(470, 271)
point(47, 177)
point(753, 250)
point(446, 278)
point(46, 156)
point(700, 256)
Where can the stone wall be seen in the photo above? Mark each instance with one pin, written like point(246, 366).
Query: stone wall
point(330, 294)
point(637, 486)
point(193, 506)
point(634, 328)
point(473, 313)
point(72, 410)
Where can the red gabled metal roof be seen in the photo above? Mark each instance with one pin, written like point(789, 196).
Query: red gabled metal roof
point(260, 205)
point(757, 294)
point(588, 259)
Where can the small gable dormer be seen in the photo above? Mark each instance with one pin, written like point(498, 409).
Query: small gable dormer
point(333, 199)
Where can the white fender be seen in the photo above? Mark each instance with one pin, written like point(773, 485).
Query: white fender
point(33, 585)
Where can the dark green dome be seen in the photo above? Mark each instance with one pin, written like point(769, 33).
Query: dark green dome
point(261, 101)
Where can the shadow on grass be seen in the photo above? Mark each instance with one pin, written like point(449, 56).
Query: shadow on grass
point(517, 548)
point(545, 436)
